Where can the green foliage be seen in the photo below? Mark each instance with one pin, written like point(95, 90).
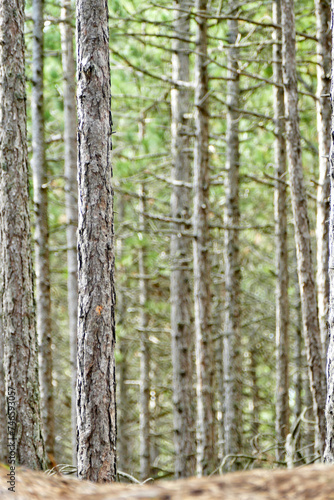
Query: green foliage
point(141, 156)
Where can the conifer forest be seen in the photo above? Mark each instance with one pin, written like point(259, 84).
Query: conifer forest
point(166, 236)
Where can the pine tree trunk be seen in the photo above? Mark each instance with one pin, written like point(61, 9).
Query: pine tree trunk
point(145, 446)
point(180, 255)
point(324, 47)
point(302, 231)
point(256, 401)
point(202, 295)
point(96, 410)
point(123, 424)
point(42, 263)
point(309, 434)
point(282, 283)
point(298, 354)
point(71, 198)
point(218, 322)
point(232, 362)
point(20, 348)
point(329, 451)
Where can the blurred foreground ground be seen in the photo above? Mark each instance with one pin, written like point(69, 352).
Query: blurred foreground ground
point(313, 482)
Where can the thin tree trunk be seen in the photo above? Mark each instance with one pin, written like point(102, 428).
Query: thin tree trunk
point(329, 451)
point(232, 364)
point(256, 402)
point(220, 394)
point(42, 263)
point(20, 349)
point(71, 198)
point(145, 446)
point(218, 321)
point(305, 440)
point(302, 231)
point(96, 405)
point(123, 444)
point(180, 252)
point(324, 47)
point(282, 283)
point(298, 354)
point(202, 295)
point(309, 434)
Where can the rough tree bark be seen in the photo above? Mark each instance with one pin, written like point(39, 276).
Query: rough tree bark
point(202, 295)
point(323, 15)
point(232, 382)
point(302, 231)
point(96, 405)
point(144, 424)
point(282, 299)
point(180, 252)
point(41, 236)
point(329, 450)
point(71, 197)
point(20, 349)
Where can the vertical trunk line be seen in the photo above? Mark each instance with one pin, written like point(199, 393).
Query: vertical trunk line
point(206, 449)
point(282, 299)
point(123, 418)
point(232, 337)
point(324, 47)
point(145, 445)
point(96, 402)
point(180, 255)
point(302, 231)
point(71, 198)
point(41, 236)
point(329, 450)
point(20, 339)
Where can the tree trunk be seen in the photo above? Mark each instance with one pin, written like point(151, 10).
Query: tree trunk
point(145, 446)
point(282, 283)
point(324, 47)
point(202, 294)
point(42, 263)
point(71, 198)
point(309, 434)
point(218, 332)
point(302, 231)
point(298, 353)
point(96, 410)
point(123, 441)
point(180, 252)
point(329, 451)
point(294, 454)
point(256, 401)
point(20, 349)
point(123, 424)
point(232, 364)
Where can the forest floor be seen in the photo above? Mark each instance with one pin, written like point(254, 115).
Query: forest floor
point(313, 482)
